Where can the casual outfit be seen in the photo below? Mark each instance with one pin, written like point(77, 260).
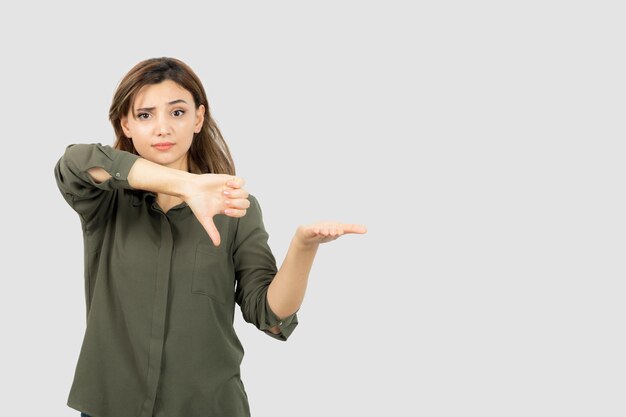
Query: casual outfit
point(160, 297)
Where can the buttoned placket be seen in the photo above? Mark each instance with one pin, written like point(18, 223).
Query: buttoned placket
point(159, 311)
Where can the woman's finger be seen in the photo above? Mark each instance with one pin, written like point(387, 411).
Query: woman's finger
point(239, 203)
point(354, 228)
point(234, 212)
point(236, 193)
point(235, 182)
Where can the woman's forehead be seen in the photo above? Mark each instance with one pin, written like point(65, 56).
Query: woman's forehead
point(165, 92)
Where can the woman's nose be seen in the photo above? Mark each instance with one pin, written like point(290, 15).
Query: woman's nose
point(163, 126)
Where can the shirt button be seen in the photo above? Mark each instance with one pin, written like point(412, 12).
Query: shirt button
point(280, 323)
point(117, 174)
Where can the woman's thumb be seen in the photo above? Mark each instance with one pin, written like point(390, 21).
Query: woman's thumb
point(209, 226)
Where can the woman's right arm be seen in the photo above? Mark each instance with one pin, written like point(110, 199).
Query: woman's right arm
point(203, 193)
point(148, 175)
point(86, 172)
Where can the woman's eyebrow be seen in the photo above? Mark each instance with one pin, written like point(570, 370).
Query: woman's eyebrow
point(180, 100)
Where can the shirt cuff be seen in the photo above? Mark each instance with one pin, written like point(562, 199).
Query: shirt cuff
point(121, 163)
point(286, 326)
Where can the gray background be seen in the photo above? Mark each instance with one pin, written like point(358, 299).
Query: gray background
point(481, 143)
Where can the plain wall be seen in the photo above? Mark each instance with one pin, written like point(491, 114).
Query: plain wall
point(481, 143)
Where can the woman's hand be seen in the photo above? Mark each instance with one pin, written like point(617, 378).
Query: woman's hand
point(211, 194)
point(312, 235)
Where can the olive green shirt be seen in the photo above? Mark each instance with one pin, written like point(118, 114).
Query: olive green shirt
point(160, 297)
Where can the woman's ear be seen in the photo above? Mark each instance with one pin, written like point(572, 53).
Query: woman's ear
point(124, 125)
point(199, 118)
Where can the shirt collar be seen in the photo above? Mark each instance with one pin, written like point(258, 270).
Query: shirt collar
point(139, 196)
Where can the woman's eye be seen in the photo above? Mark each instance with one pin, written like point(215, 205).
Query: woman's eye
point(179, 113)
point(141, 116)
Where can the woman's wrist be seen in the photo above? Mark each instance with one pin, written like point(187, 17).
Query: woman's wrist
point(300, 243)
point(150, 176)
point(187, 184)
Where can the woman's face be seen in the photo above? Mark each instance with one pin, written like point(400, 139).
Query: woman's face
point(161, 123)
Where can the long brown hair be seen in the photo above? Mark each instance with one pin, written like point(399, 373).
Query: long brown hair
point(209, 153)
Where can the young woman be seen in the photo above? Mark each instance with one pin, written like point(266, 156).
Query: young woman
point(172, 241)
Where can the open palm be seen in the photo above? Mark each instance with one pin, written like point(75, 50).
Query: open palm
point(314, 234)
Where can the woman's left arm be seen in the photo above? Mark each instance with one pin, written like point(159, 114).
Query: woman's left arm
point(286, 291)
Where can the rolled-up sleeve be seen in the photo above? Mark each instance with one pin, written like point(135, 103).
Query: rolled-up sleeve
point(87, 197)
point(255, 268)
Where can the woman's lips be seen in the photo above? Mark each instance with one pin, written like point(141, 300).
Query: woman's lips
point(163, 146)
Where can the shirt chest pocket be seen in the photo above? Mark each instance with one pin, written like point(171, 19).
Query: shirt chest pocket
point(213, 274)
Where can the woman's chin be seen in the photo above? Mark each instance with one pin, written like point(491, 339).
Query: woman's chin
point(171, 161)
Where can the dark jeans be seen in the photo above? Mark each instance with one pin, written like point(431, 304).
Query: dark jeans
point(84, 415)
